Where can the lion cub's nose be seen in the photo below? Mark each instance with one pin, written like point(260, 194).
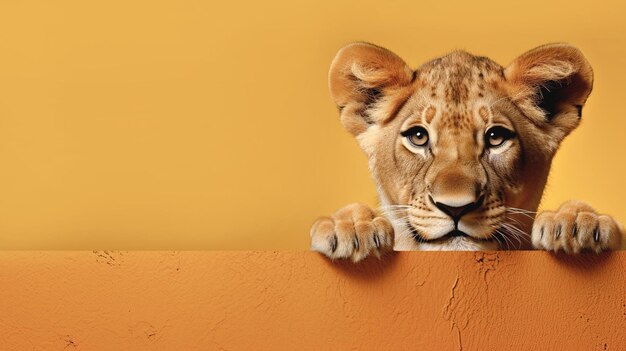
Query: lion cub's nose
point(457, 191)
point(458, 210)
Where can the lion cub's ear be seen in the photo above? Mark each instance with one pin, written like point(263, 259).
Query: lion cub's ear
point(551, 84)
point(361, 75)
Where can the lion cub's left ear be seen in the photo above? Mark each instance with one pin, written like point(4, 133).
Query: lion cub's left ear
point(551, 84)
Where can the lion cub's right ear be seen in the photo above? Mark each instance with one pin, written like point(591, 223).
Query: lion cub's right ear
point(361, 76)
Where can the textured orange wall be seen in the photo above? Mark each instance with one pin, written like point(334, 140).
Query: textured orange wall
point(298, 300)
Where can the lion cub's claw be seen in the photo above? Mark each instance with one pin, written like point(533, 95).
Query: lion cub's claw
point(574, 227)
point(353, 232)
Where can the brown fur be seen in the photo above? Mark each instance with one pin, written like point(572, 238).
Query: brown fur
point(457, 99)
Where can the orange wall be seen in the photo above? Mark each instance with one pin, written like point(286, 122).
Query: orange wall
point(299, 300)
point(159, 124)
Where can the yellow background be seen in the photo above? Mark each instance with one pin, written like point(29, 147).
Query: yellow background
point(208, 125)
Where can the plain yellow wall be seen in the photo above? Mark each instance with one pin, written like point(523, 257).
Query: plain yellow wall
point(208, 125)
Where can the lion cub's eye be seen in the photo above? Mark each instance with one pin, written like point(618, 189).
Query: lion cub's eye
point(416, 136)
point(497, 135)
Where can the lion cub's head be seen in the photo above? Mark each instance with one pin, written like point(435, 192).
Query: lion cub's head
point(459, 147)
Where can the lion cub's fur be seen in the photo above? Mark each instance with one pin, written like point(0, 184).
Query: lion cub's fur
point(457, 98)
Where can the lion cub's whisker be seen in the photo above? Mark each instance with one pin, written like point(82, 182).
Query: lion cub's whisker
point(519, 209)
point(517, 231)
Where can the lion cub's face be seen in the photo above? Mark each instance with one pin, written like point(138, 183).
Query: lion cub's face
point(460, 145)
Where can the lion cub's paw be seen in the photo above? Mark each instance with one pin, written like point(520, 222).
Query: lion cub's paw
point(352, 232)
point(575, 226)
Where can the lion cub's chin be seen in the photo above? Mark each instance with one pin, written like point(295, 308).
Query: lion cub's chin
point(452, 244)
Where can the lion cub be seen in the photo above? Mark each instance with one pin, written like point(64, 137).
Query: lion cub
point(460, 150)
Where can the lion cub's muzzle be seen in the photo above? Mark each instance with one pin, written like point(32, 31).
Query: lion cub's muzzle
point(456, 191)
point(456, 212)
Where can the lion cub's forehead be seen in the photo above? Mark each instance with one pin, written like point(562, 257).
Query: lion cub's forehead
point(456, 87)
point(457, 72)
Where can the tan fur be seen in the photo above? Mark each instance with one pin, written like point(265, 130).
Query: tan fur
point(457, 99)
